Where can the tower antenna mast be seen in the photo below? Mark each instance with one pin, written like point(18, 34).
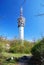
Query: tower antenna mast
point(21, 8)
point(23, 3)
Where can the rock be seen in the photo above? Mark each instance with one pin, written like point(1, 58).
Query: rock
point(11, 58)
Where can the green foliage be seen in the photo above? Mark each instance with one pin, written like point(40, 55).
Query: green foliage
point(15, 46)
point(38, 50)
point(18, 47)
point(3, 44)
point(0, 48)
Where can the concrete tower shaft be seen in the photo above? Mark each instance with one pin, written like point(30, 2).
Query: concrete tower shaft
point(21, 22)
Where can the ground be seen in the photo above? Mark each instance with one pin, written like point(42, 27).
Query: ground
point(7, 55)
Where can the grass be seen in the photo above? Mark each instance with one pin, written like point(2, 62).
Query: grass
point(7, 55)
point(14, 54)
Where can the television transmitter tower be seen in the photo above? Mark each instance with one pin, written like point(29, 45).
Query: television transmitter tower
point(21, 22)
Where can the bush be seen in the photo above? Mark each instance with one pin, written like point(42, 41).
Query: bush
point(18, 47)
point(1, 48)
point(38, 51)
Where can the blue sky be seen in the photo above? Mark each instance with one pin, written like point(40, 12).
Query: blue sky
point(10, 11)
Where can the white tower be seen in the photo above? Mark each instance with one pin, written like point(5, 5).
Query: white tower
point(21, 22)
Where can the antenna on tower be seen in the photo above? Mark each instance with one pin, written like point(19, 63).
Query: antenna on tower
point(21, 8)
point(23, 2)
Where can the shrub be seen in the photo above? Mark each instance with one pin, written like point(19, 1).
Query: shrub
point(18, 47)
point(1, 48)
point(38, 51)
